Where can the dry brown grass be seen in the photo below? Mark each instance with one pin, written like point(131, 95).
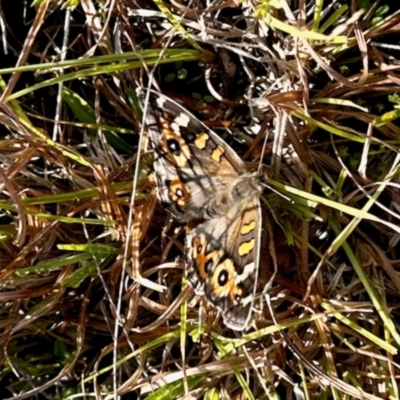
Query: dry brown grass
point(86, 250)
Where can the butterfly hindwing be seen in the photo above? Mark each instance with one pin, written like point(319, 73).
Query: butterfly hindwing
point(223, 258)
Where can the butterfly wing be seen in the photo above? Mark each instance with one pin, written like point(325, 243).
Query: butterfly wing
point(223, 258)
point(191, 161)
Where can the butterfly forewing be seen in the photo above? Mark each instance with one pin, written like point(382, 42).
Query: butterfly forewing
point(191, 161)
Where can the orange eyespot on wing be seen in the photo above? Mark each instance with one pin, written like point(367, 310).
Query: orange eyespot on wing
point(223, 281)
point(178, 193)
point(203, 261)
point(174, 146)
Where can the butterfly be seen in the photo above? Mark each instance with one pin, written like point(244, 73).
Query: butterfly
point(201, 179)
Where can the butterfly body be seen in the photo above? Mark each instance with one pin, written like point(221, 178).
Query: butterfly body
point(199, 177)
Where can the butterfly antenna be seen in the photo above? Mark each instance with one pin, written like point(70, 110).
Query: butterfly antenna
point(272, 189)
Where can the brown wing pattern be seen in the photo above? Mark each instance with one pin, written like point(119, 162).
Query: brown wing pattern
point(191, 161)
point(223, 258)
